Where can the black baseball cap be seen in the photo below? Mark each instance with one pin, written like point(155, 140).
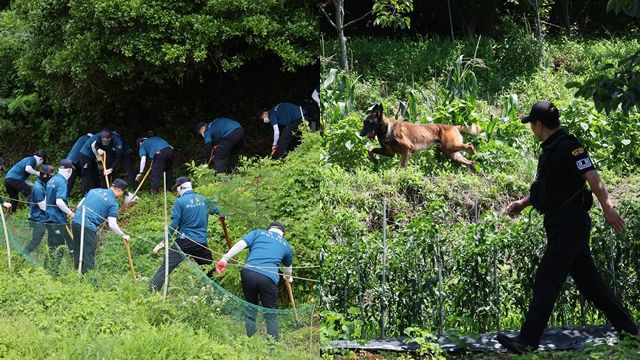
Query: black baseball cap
point(66, 164)
point(179, 181)
point(276, 225)
point(120, 184)
point(40, 153)
point(543, 111)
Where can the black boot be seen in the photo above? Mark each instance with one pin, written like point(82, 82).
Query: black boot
point(515, 345)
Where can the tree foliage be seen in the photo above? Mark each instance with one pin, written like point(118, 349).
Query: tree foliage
point(134, 62)
point(615, 86)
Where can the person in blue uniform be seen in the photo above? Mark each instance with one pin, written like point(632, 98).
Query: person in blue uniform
point(224, 138)
point(119, 157)
point(99, 205)
point(74, 156)
point(161, 153)
point(560, 194)
point(16, 181)
point(290, 117)
point(57, 211)
point(90, 155)
point(189, 221)
point(38, 208)
point(259, 275)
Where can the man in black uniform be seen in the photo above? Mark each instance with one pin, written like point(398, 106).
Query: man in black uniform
point(560, 194)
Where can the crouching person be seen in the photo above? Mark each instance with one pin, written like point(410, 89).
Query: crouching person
point(189, 219)
point(99, 205)
point(259, 276)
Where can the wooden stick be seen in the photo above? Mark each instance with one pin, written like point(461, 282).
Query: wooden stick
point(69, 231)
point(293, 302)
point(225, 231)
point(127, 246)
point(104, 167)
point(213, 153)
point(143, 179)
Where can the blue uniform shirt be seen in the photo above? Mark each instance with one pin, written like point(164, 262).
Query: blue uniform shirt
point(38, 193)
point(219, 128)
point(101, 204)
point(190, 216)
point(284, 114)
point(17, 171)
point(86, 148)
point(152, 145)
point(74, 153)
point(56, 189)
point(267, 249)
point(118, 145)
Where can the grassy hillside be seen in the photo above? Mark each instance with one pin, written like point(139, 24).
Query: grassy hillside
point(107, 315)
point(454, 261)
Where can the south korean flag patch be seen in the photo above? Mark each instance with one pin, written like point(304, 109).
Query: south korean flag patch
point(584, 163)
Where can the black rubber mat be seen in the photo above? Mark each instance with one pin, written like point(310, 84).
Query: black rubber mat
point(552, 339)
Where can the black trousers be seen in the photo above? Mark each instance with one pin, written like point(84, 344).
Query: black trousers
point(126, 164)
point(162, 162)
point(260, 289)
point(568, 253)
point(14, 188)
point(289, 139)
point(57, 236)
point(89, 173)
point(178, 253)
point(37, 233)
point(74, 175)
point(88, 249)
point(229, 147)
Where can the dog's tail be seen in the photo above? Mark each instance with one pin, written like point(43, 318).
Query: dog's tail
point(473, 129)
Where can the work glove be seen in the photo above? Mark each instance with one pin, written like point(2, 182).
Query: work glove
point(157, 248)
point(221, 266)
point(7, 205)
point(138, 177)
point(274, 149)
point(288, 278)
point(100, 152)
point(107, 172)
point(126, 237)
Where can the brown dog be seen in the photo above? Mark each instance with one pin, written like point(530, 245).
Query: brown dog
point(400, 137)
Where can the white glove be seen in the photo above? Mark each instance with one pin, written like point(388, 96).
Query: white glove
point(126, 237)
point(130, 198)
point(7, 205)
point(100, 152)
point(158, 247)
point(107, 172)
point(288, 278)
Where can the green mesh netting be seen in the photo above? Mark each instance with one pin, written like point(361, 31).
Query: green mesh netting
point(188, 282)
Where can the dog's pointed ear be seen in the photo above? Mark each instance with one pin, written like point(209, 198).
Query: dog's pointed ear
point(378, 110)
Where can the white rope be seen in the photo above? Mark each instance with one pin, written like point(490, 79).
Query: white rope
point(232, 262)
